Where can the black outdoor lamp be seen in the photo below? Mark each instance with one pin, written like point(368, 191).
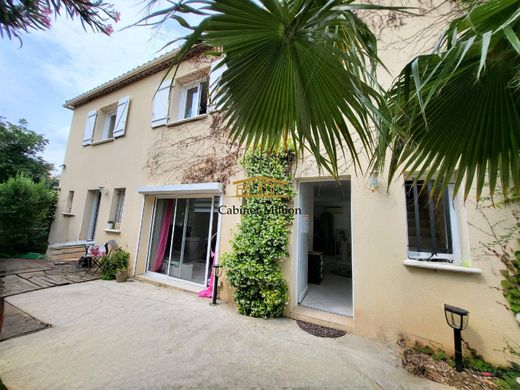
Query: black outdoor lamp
point(216, 269)
point(458, 319)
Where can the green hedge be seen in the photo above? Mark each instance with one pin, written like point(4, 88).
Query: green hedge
point(253, 266)
point(26, 212)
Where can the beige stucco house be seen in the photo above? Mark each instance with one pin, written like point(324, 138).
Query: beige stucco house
point(148, 165)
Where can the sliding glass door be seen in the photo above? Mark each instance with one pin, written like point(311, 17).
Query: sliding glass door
point(183, 238)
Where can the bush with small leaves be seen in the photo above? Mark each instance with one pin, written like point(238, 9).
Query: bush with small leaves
point(253, 266)
point(26, 212)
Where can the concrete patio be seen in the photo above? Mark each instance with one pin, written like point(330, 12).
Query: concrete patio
point(136, 335)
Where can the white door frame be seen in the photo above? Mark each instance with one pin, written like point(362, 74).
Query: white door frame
point(296, 235)
point(94, 214)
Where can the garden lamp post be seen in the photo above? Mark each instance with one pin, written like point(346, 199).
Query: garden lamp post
point(458, 319)
point(216, 269)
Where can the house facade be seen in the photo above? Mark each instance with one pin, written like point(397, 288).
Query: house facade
point(148, 165)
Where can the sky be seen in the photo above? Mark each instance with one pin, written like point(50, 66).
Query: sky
point(55, 65)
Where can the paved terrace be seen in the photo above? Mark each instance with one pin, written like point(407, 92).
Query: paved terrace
point(107, 335)
point(18, 276)
point(22, 275)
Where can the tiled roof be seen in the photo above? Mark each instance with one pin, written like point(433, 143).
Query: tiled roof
point(147, 69)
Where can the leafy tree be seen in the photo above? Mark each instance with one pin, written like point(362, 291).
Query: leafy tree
point(304, 70)
point(19, 149)
point(456, 112)
point(26, 212)
point(23, 15)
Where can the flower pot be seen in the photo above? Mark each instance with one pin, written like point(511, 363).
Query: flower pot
point(121, 276)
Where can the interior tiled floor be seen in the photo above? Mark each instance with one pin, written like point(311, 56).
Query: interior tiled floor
point(333, 294)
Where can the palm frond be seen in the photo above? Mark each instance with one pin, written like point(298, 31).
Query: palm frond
point(304, 68)
point(456, 113)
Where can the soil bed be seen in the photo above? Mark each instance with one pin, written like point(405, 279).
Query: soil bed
point(425, 366)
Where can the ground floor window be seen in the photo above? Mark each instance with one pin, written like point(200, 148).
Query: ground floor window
point(430, 221)
point(116, 213)
point(183, 238)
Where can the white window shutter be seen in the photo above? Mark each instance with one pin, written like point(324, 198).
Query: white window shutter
point(161, 103)
point(122, 114)
point(89, 127)
point(214, 79)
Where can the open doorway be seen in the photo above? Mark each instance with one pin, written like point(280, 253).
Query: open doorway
point(90, 216)
point(325, 247)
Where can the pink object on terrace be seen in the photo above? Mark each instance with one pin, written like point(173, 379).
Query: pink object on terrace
point(163, 239)
point(208, 292)
point(96, 250)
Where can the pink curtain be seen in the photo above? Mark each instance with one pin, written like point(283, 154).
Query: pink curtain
point(208, 292)
point(163, 238)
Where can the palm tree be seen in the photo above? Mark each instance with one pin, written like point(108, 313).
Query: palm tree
point(456, 112)
point(299, 69)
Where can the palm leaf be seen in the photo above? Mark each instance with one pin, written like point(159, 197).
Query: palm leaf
point(456, 113)
point(304, 68)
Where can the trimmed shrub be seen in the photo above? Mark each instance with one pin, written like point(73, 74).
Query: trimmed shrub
point(253, 266)
point(26, 213)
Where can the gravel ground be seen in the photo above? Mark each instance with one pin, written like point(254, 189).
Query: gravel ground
point(108, 335)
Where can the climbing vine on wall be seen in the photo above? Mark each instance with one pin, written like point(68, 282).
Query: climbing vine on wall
point(502, 245)
point(197, 156)
point(253, 267)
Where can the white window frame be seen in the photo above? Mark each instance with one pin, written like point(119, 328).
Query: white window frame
point(453, 209)
point(118, 203)
point(196, 102)
point(106, 125)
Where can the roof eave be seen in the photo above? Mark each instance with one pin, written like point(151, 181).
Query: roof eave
point(145, 70)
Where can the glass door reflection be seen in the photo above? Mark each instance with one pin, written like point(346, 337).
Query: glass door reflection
point(189, 225)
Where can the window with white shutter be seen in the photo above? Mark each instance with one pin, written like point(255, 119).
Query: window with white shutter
point(161, 103)
point(122, 114)
point(88, 136)
point(217, 70)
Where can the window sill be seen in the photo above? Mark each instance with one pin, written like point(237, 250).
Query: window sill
point(67, 214)
point(115, 231)
point(102, 141)
point(441, 266)
point(187, 120)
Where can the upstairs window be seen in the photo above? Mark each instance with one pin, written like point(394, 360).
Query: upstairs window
point(431, 223)
point(106, 123)
point(110, 124)
point(194, 100)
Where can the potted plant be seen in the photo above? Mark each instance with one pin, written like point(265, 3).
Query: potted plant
point(110, 224)
point(122, 274)
point(115, 266)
